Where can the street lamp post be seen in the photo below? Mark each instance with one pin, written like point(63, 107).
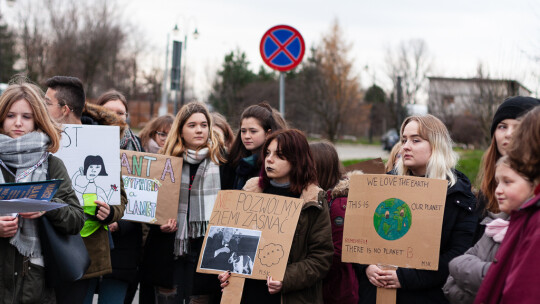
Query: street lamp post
point(195, 36)
point(164, 94)
point(181, 70)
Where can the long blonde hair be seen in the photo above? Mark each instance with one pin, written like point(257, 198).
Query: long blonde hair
point(21, 89)
point(443, 159)
point(175, 146)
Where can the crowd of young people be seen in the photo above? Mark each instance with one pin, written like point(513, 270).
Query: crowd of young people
point(488, 239)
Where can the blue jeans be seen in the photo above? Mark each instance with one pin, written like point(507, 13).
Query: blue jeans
point(111, 291)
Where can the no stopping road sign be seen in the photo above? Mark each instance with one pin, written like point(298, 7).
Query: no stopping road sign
point(282, 48)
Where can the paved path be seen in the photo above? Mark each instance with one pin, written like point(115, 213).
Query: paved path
point(350, 151)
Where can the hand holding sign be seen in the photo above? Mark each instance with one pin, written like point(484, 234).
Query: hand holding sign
point(8, 226)
point(375, 276)
point(273, 286)
point(32, 215)
point(103, 210)
point(391, 279)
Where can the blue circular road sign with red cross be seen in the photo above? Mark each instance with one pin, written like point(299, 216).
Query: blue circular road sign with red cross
point(282, 48)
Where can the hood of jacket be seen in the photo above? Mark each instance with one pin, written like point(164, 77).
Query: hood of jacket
point(342, 187)
point(98, 115)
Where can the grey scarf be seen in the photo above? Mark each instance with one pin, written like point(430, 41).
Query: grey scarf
point(130, 142)
point(28, 155)
point(199, 200)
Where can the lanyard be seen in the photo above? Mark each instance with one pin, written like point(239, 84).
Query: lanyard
point(28, 171)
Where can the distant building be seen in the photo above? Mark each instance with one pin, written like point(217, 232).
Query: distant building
point(467, 105)
point(467, 95)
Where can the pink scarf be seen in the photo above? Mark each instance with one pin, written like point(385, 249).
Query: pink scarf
point(497, 229)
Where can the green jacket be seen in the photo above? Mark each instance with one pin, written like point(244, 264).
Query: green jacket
point(97, 243)
point(312, 248)
point(22, 282)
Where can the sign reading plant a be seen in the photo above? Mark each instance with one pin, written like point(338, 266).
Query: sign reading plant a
point(152, 184)
point(394, 221)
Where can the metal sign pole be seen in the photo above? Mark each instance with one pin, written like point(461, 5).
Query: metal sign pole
point(282, 48)
point(282, 94)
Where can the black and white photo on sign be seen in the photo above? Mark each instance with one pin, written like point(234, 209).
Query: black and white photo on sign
point(229, 248)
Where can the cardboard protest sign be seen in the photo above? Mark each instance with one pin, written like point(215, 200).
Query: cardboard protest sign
point(394, 220)
point(90, 154)
point(152, 184)
point(250, 234)
point(372, 166)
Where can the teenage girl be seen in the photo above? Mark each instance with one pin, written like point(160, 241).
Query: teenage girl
point(503, 125)
point(289, 171)
point(256, 123)
point(467, 271)
point(172, 250)
point(514, 277)
point(340, 286)
point(224, 129)
point(154, 134)
point(427, 152)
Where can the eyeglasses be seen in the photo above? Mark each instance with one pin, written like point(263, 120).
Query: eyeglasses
point(50, 104)
point(162, 134)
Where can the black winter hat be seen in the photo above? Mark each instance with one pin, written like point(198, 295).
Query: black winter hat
point(512, 108)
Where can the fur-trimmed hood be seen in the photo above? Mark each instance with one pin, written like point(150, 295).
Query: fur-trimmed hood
point(310, 194)
point(342, 188)
point(98, 115)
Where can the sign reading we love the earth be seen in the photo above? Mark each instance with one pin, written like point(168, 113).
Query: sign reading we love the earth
point(394, 220)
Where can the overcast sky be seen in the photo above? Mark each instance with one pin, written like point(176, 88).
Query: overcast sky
point(459, 33)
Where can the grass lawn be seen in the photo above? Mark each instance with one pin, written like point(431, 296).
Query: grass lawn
point(469, 162)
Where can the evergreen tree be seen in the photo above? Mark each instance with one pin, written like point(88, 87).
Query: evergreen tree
point(233, 76)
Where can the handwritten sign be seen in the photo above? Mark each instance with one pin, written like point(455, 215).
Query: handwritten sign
point(372, 166)
point(394, 220)
point(152, 184)
point(244, 214)
point(90, 154)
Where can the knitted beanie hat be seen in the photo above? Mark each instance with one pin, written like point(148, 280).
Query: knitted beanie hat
point(512, 108)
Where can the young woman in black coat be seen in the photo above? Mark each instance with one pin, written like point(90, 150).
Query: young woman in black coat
point(427, 152)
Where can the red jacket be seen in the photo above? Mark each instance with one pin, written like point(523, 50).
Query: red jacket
point(340, 285)
point(515, 273)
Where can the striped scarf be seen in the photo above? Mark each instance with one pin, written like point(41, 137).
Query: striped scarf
point(199, 200)
point(130, 142)
point(28, 155)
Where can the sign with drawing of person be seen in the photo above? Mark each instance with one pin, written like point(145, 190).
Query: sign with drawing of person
point(90, 154)
point(152, 184)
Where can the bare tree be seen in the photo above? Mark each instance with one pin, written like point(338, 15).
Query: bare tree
point(331, 89)
point(90, 40)
point(467, 106)
point(410, 61)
